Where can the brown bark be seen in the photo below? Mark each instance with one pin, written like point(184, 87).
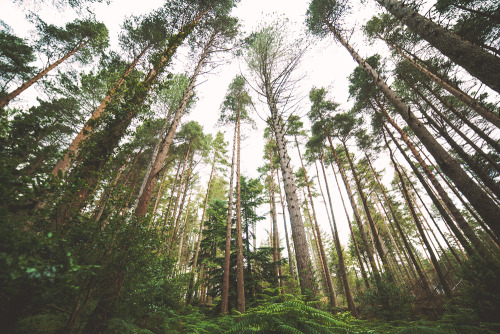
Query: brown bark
point(354, 241)
point(340, 253)
point(151, 178)
point(369, 252)
point(227, 252)
point(274, 215)
point(7, 98)
point(64, 163)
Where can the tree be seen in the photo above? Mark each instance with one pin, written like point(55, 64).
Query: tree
point(272, 61)
point(75, 38)
point(234, 110)
point(322, 18)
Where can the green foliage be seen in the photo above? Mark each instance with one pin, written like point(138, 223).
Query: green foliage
point(385, 300)
point(40, 324)
point(480, 290)
point(289, 317)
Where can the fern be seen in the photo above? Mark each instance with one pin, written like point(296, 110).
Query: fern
point(290, 317)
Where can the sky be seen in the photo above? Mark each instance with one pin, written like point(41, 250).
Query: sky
point(327, 64)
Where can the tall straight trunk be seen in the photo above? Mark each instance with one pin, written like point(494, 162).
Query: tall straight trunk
point(227, 250)
point(416, 219)
point(172, 191)
point(452, 89)
point(10, 96)
point(240, 283)
point(289, 250)
point(368, 249)
point(180, 193)
point(340, 253)
point(354, 241)
point(462, 223)
point(331, 292)
point(371, 223)
point(64, 163)
point(441, 206)
point(151, 178)
point(274, 216)
point(478, 62)
point(304, 268)
point(480, 200)
point(200, 233)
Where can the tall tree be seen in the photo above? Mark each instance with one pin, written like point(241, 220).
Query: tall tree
point(273, 64)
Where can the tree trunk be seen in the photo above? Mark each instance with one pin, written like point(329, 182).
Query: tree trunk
point(481, 202)
point(240, 283)
point(227, 252)
point(290, 255)
point(354, 241)
point(274, 214)
point(371, 223)
point(340, 253)
point(64, 163)
point(151, 178)
point(478, 62)
point(304, 268)
point(452, 89)
point(369, 252)
point(7, 98)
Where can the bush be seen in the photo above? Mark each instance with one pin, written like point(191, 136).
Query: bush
point(386, 300)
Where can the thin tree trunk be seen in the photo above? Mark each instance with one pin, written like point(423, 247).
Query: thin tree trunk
point(274, 213)
point(371, 223)
point(478, 62)
point(369, 252)
point(7, 98)
point(240, 283)
point(227, 252)
point(443, 210)
point(358, 254)
point(64, 163)
point(452, 89)
point(151, 178)
point(481, 201)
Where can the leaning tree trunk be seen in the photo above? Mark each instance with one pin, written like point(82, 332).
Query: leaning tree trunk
point(354, 241)
point(483, 204)
point(369, 252)
point(452, 89)
point(65, 162)
point(7, 98)
point(478, 62)
point(338, 248)
point(150, 179)
point(371, 223)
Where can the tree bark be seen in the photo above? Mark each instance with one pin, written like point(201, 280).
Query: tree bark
point(478, 62)
point(7, 98)
point(64, 163)
point(240, 283)
point(227, 252)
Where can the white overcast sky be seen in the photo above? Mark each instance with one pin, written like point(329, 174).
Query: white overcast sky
point(327, 64)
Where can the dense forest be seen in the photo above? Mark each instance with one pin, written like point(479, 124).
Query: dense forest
point(377, 213)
